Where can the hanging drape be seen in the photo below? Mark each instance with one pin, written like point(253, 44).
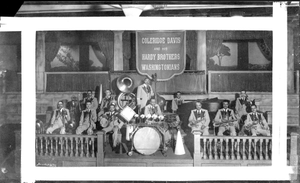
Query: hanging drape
point(98, 53)
point(266, 46)
point(191, 49)
point(51, 50)
point(212, 47)
point(107, 47)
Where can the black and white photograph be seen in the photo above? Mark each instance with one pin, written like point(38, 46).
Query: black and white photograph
point(165, 87)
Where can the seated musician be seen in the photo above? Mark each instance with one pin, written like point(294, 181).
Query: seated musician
point(242, 103)
point(87, 120)
point(59, 118)
point(226, 120)
point(153, 108)
point(110, 122)
point(74, 109)
point(199, 119)
point(177, 101)
point(104, 107)
point(93, 100)
point(256, 123)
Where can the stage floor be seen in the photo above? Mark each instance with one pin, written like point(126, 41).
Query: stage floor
point(156, 159)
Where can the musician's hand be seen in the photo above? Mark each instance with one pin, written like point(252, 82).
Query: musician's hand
point(202, 127)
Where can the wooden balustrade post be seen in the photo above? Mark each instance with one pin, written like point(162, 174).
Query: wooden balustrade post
point(197, 155)
point(255, 149)
point(215, 149)
point(238, 153)
point(221, 151)
point(204, 149)
point(293, 156)
point(100, 148)
point(226, 149)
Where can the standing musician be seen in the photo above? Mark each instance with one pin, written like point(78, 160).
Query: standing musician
point(177, 101)
point(93, 100)
point(60, 117)
point(199, 119)
point(144, 93)
point(110, 122)
point(226, 120)
point(256, 123)
point(87, 120)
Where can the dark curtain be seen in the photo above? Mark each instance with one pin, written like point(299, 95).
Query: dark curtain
point(266, 47)
point(51, 50)
point(98, 53)
point(191, 49)
point(212, 47)
point(107, 47)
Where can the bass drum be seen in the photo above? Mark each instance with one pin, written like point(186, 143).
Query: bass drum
point(147, 140)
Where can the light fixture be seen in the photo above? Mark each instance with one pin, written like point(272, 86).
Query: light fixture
point(132, 10)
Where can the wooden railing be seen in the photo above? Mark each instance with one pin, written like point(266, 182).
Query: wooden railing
point(67, 145)
point(239, 150)
point(70, 147)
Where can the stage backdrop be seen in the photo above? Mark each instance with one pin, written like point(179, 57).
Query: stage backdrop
point(160, 52)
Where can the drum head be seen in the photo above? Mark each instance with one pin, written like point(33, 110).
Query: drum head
point(146, 140)
point(127, 113)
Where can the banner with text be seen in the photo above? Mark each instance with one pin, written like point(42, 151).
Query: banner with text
point(161, 53)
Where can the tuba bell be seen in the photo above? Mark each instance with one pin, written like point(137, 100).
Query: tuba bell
point(126, 98)
point(125, 84)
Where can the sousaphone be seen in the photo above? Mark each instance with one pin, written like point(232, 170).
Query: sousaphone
point(126, 98)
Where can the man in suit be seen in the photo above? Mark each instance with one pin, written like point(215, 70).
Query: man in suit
point(87, 120)
point(74, 108)
point(59, 118)
point(256, 123)
point(177, 101)
point(242, 103)
point(199, 119)
point(90, 98)
point(227, 118)
point(152, 108)
point(144, 93)
point(110, 122)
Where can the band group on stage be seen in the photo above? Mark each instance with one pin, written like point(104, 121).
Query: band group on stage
point(104, 116)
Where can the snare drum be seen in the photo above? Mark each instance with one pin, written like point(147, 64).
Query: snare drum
point(147, 140)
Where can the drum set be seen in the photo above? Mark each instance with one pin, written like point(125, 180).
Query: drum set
point(146, 133)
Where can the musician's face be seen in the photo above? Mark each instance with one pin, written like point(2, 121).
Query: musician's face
point(225, 105)
point(112, 108)
point(243, 94)
point(60, 105)
point(107, 93)
point(147, 81)
point(152, 102)
point(198, 105)
point(89, 94)
point(178, 95)
point(88, 105)
point(253, 109)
